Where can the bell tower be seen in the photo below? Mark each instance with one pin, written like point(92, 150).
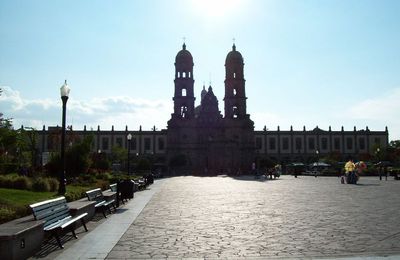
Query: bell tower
point(184, 82)
point(235, 96)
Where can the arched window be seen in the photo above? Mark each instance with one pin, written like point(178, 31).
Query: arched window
point(183, 92)
point(184, 74)
point(234, 75)
point(235, 111)
point(190, 74)
point(234, 92)
point(183, 111)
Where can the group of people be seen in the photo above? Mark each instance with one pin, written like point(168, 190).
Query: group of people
point(353, 171)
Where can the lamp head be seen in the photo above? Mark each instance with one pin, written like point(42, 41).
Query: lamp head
point(64, 90)
point(129, 137)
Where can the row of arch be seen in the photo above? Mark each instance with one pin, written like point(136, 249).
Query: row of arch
point(184, 74)
point(184, 111)
point(184, 92)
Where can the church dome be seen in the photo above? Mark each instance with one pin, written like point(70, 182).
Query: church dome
point(234, 56)
point(184, 56)
point(209, 103)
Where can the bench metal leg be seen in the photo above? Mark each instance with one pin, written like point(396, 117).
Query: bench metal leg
point(73, 233)
point(57, 236)
point(84, 224)
point(103, 210)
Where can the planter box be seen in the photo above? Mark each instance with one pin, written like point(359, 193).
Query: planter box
point(20, 238)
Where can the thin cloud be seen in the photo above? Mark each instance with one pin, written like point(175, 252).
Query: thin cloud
point(381, 111)
point(382, 108)
point(122, 111)
point(117, 111)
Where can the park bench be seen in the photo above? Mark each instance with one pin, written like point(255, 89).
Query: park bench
point(113, 187)
point(119, 193)
point(101, 203)
point(55, 213)
point(141, 183)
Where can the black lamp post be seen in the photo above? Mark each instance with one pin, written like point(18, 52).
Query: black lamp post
point(64, 97)
point(129, 137)
point(377, 153)
point(317, 165)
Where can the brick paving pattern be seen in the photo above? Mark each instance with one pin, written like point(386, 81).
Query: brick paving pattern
point(224, 217)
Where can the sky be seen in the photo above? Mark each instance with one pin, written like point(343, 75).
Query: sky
point(307, 63)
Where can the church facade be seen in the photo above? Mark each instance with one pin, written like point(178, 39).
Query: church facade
point(210, 141)
point(204, 141)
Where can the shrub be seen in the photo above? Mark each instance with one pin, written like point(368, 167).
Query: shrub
point(22, 183)
point(53, 183)
point(102, 184)
point(87, 179)
point(6, 182)
point(6, 214)
point(6, 168)
point(40, 184)
point(76, 193)
point(104, 176)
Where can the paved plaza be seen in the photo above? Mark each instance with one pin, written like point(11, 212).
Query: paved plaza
point(229, 218)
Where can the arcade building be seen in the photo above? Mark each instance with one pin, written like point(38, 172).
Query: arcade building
point(207, 141)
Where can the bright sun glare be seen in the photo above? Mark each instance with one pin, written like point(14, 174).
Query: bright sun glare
point(216, 9)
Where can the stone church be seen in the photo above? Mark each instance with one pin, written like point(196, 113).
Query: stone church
point(204, 141)
point(210, 141)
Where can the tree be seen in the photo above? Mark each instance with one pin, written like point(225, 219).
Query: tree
point(393, 152)
point(119, 154)
point(77, 159)
point(8, 145)
point(143, 165)
point(395, 144)
point(5, 122)
point(27, 146)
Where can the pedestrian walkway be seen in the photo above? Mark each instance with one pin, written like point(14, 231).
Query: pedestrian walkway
point(99, 242)
point(229, 218)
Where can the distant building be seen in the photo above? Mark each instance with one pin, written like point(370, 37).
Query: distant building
point(210, 142)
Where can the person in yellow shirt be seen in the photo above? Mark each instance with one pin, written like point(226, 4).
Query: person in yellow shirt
point(349, 168)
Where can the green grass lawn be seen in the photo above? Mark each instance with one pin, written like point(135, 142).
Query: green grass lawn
point(14, 203)
point(23, 198)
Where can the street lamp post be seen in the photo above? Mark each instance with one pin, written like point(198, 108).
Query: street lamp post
point(129, 137)
point(377, 152)
point(317, 153)
point(64, 90)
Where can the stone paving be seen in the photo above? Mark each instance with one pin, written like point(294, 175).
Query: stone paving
point(228, 218)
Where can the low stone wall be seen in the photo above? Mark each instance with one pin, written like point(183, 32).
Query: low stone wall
point(20, 238)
